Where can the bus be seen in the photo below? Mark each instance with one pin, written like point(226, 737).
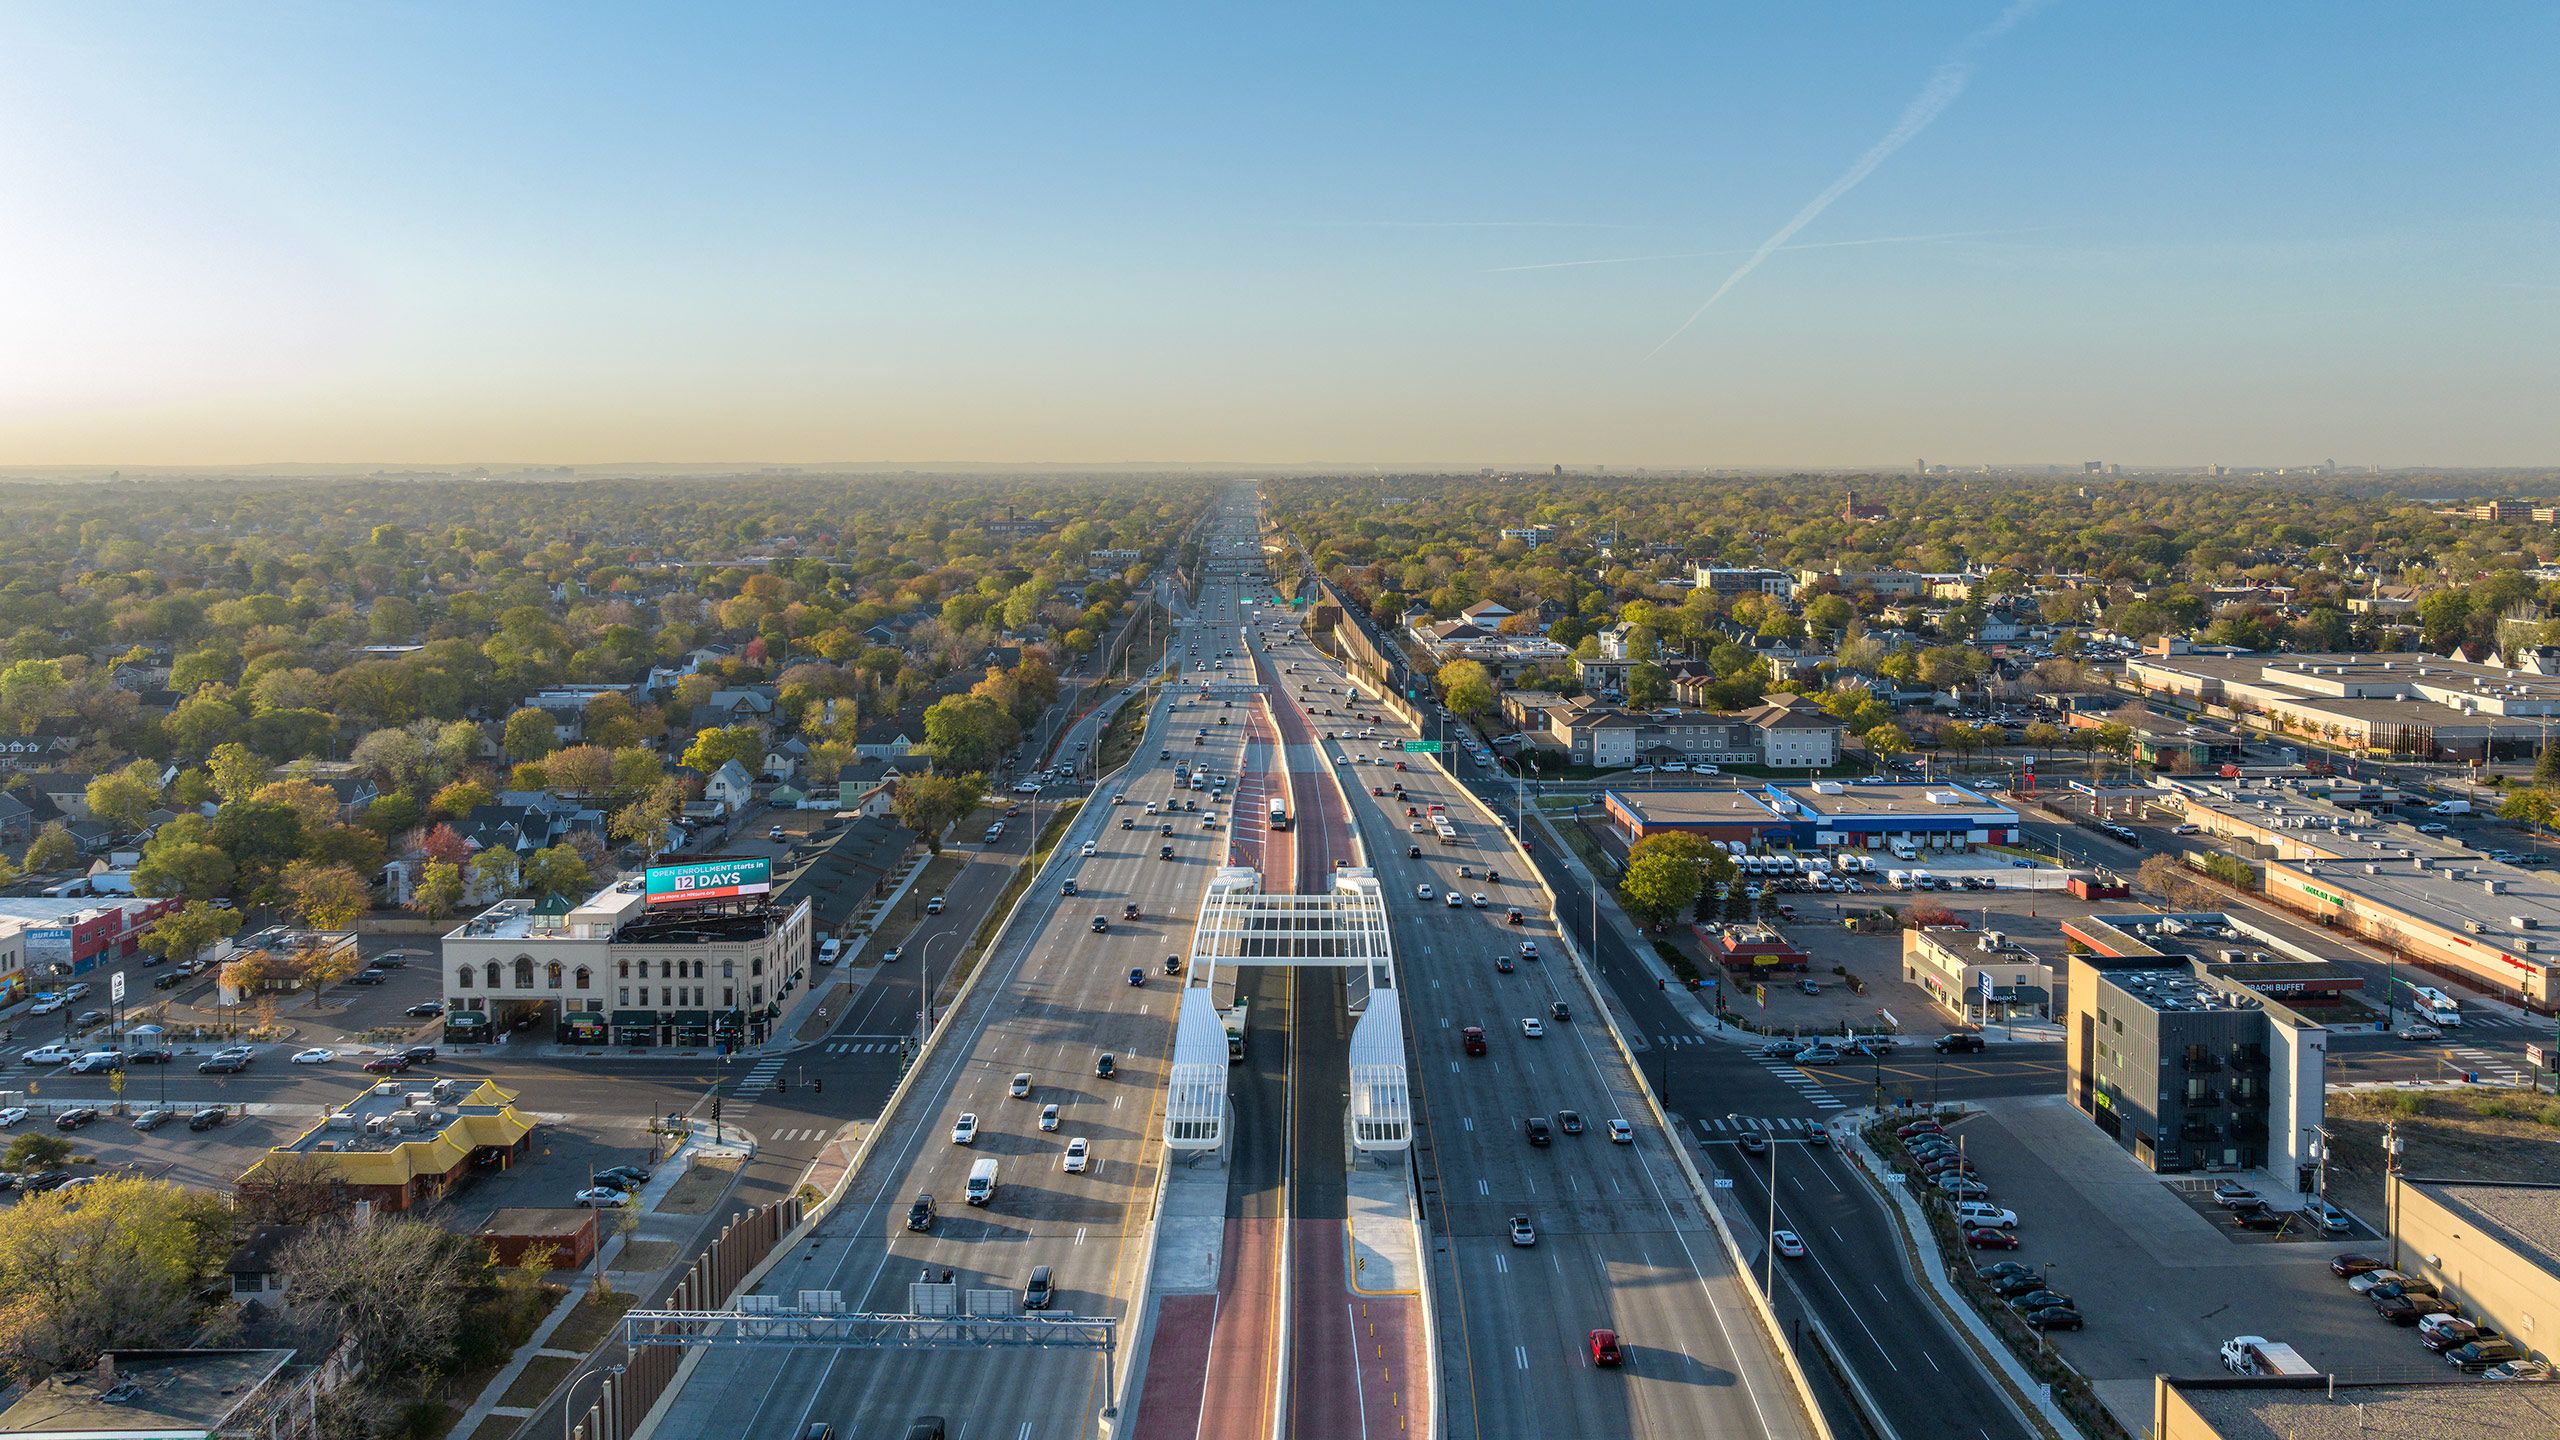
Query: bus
point(1279, 813)
point(2438, 1007)
point(1235, 1018)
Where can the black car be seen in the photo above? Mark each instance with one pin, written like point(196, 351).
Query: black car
point(223, 1065)
point(170, 981)
point(2041, 1299)
point(1100, 925)
point(2480, 1354)
point(920, 1214)
point(2000, 1270)
point(1959, 1043)
point(366, 977)
point(2010, 1287)
point(42, 1181)
point(75, 1117)
point(207, 1119)
point(87, 1018)
point(425, 1008)
point(1569, 1121)
point(1068, 887)
point(1538, 1133)
point(2405, 1309)
point(151, 1057)
point(2053, 1317)
point(419, 1054)
point(389, 960)
point(607, 1180)
point(1165, 853)
point(613, 1174)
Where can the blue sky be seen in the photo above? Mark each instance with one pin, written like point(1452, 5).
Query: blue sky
point(2261, 233)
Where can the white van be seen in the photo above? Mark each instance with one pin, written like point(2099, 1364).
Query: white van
point(982, 1182)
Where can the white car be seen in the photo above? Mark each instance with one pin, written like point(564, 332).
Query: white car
point(1457, 901)
point(602, 1197)
point(1089, 850)
point(1982, 1215)
point(1422, 892)
point(1078, 1154)
point(1532, 1027)
point(316, 1055)
point(1479, 899)
point(50, 1055)
point(1621, 1133)
point(966, 1131)
point(46, 1006)
point(11, 1115)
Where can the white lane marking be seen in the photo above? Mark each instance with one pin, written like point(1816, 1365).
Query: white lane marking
point(1484, 1187)
point(1466, 1122)
point(1501, 1262)
point(1520, 1356)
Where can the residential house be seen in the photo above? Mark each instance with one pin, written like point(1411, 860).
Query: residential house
point(31, 752)
point(528, 820)
point(351, 783)
point(1487, 613)
point(782, 762)
point(730, 787)
point(57, 795)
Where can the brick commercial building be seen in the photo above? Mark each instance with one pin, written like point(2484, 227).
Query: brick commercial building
point(686, 963)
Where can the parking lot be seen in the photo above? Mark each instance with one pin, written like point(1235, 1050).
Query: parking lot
point(2160, 1285)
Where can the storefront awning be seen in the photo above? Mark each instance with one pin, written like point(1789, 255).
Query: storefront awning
point(636, 1018)
point(695, 1018)
point(465, 1020)
point(583, 1020)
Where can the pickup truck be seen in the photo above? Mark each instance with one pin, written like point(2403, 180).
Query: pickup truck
point(2258, 1355)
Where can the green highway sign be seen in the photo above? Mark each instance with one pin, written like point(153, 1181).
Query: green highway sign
point(1422, 747)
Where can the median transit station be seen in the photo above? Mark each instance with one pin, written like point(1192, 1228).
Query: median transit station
point(1243, 925)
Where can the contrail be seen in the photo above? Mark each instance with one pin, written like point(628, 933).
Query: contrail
point(1808, 245)
point(1945, 84)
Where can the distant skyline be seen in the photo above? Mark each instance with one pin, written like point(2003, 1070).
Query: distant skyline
point(1683, 236)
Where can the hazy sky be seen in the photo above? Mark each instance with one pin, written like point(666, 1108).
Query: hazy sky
point(2258, 233)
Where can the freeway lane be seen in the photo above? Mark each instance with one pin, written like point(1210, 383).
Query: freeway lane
point(1057, 998)
point(1622, 1241)
point(1853, 1280)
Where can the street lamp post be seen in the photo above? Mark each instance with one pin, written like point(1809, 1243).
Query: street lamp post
point(924, 989)
point(568, 1399)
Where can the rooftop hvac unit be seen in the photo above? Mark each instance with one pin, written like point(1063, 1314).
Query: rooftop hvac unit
point(2475, 927)
point(2524, 922)
point(2372, 869)
point(340, 1120)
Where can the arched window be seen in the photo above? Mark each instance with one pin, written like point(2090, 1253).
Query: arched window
point(462, 978)
point(551, 975)
point(586, 978)
point(492, 969)
point(524, 972)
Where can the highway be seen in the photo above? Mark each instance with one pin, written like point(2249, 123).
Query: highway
point(1622, 1242)
point(1920, 1377)
point(1056, 999)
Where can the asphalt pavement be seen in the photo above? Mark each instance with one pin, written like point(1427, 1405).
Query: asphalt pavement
point(1055, 999)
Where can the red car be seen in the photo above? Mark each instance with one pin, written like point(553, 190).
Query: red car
point(1604, 1348)
point(1012, 810)
point(2354, 1265)
point(1987, 1239)
point(386, 1065)
point(1374, 790)
point(1919, 1127)
point(1472, 1039)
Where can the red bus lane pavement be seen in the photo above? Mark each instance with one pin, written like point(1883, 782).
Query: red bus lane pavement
point(1213, 1362)
point(1355, 1363)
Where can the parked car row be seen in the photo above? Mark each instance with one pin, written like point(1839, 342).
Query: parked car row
point(2466, 1344)
point(1986, 1225)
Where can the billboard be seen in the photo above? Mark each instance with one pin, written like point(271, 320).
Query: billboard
point(709, 880)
